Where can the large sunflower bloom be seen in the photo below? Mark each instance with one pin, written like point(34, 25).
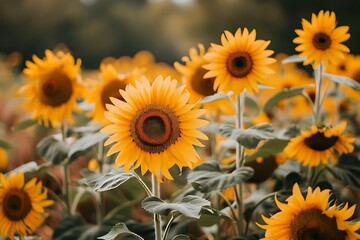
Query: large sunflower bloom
point(321, 40)
point(319, 144)
point(154, 128)
point(22, 205)
point(240, 62)
point(310, 218)
point(53, 88)
point(109, 86)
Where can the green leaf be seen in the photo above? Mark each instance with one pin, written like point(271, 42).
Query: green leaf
point(181, 237)
point(85, 143)
point(250, 137)
point(251, 104)
point(5, 145)
point(347, 170)
point(53, 149)
point(208, 177)
point(24, 124)
point(120, 231)
point(26, 167)
point(270, 147)
point(284, 94)
point(110, 180)
point(190, 206)
point(293, 59)
point(343, 80)
point(215, 97)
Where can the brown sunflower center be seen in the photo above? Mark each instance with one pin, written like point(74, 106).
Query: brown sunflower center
point(319, 142)
point(112, 90)
point(55, 89)
point(321, 41)
point(154, 128)
point(16, 205)
point(239, 64)
point(201, 85)
point(356, 76)
point(311, 224)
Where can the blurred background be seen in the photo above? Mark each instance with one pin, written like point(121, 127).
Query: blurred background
point(95, 29)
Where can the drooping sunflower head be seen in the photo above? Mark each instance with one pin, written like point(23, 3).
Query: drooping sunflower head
point(193, 76)
point(240, 62)
point(154, 127)
point(109, 85)
point(310, 218)
point(53, 87)
point(22, 205)
point(319, 144)
point(320, 39)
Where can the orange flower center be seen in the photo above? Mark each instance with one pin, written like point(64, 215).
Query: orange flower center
point(16, 205)
point(201, 85)
point(239, 64)
point(112, 90)
point(55, 90)
point(319, 142)
point(154, 128)
point(321, 41)
point(311, 224)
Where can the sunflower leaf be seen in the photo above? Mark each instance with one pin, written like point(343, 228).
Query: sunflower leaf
point(53, 149)
point(85, 143)
point(215, 97)
point(250, 137)
point(208, 177)
point(284, 94)
point(181, 237)
point(270, 147)
point(190, 206)
point(5, 145)
point(120, 231)
point(109, 180)
point(293, 59)
point(24, 124)
point(343, 80)
point(347, 170)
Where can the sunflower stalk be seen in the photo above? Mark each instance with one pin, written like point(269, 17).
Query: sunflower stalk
point(66, 172)
point(318, 101)
point(240, 150)
point(157, 220)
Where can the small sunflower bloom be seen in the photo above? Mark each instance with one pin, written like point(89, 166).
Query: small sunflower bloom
point(53, 88)
point(320, 39)
point(310, 217)
point(154, 127)
point(319, 144)
point(22, 205)
point(240, 62)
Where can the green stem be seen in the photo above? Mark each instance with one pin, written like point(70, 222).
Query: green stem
point(143, 184)
point(101, 195)
point(167, 229)
point(232, 211)
point(157, 221)
point(240, 150)
point(318, 83)
point(66, 172)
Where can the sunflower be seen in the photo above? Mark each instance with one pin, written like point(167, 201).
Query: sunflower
point(321, 40)
point(101, 91)
point(198, 86)
point(53, 88)
point(310, 218)
point(154, 128)
point(3, 159)
point(318, 144)
point(22, 205)
point(239, 63)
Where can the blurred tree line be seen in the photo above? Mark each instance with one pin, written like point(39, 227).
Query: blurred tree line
point(94, 29)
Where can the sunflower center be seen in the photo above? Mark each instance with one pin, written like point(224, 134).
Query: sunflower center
point(311, 224)
point(321, 41)
point(16, 205)
point(201, 85)
point(239, 64)
point(319, 142)
point(154, 128)
point(55, 90)
point(112, 90)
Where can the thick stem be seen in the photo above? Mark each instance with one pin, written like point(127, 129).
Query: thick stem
point(66, 172)
point(157, 220)
point(318, 82)
point(240, 150)
point(167, 229)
